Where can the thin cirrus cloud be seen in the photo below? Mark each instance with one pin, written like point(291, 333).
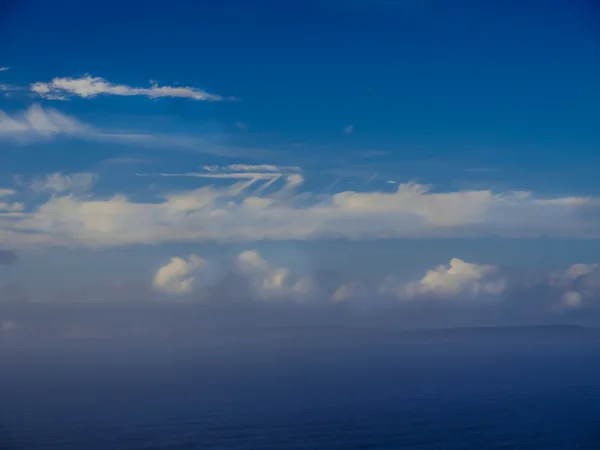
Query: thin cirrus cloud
point(4, 69)
point(59, 183)
point(90, 87)
point(252, 168)
point(234, 213)
point(38, 123)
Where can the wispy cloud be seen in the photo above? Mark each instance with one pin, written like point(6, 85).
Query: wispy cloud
point(7, 192)
point(372, 153)
point(482, 169)
point(252, 168)
point(126, 160)
point(37, 122)
point(349, 129)
point(241, 125)
point(90, 87)
point(76, 183)
point(4, 69)
point(47, 123)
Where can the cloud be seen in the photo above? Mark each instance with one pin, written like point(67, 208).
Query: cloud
point(178, 276)
point(12, 207)
point(90, 87)
point(7, 257)
point(458, 278)
point(232, 212)
point(59, 183)
point(571, 299)
point(252, 168)
point(125, 160)
point(258, 292)
point(351, 291)
point(4, 69)
point(7, 192)
point(579, 285)
point(39, 122)
point(349, 129)
point(271, 281)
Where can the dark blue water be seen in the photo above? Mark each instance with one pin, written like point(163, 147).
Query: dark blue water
point(337, 395)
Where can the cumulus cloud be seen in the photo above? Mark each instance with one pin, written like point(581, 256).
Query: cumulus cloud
point(579, 285)
point(89, 87)
point(10, 207)
point(350, 291)
point(458, 278)
point(269, 280)
point(179, 275)
point(258, 291)
point(60, 183)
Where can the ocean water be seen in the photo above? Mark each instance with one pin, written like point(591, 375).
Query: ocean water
point(318, 394)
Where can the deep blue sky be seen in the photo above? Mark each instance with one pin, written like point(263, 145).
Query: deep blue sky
point(510, 85)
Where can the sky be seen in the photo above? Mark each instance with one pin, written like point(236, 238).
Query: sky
point(392, 162)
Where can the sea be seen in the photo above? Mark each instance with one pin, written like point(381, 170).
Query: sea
point(313, 390)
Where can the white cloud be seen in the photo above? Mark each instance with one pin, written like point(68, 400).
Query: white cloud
point(4, 69)
point(252, 168)
point(89, 87)
point(125, 160)
point(232, 175)
point(7, 192)
point(234, 213)
point(270, 280)
point(39, 122)
point(458, 278)
point(179, 275)
point(12, 207)
point(349, 291)
point(59, 183)
point(579, 270)
point(579, 283)
point(45, 123)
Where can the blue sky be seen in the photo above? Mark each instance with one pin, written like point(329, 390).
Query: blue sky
point(371, 139)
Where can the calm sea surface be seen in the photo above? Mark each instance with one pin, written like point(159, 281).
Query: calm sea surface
point(338, 395)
